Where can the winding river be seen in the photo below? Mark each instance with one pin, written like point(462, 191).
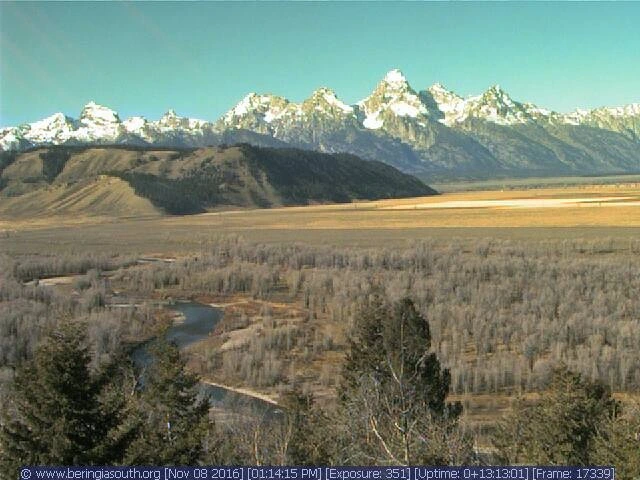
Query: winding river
point(199, 322)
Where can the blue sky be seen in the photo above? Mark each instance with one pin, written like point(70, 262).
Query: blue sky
point(202, 58)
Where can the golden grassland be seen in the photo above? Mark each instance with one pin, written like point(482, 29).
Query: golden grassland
point(584, 211)
point(100, 196)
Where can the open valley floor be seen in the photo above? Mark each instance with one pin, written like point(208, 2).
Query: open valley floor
point(591, 212)
point(511, 282)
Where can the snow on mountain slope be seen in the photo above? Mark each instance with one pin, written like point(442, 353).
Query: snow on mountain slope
point(12, 138)
point(432, 128)
point(495, 106)
point(625, 119)
point(57, 127)
point(137, 126)
point(268, 112)
point(325, 101)
point(172, 121)
point(98, 122)
point(450, 104)
point(256, 110)
point(393, 95)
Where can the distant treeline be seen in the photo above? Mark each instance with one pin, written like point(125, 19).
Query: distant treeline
point(182, 196)
point(7, 158)
point(301, 175)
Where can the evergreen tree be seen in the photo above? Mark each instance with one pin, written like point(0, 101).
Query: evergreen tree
point(60, 412)
point(618, 443)
point(310, 439)
point(561, 428)
point(171, 421)
point(393, 393)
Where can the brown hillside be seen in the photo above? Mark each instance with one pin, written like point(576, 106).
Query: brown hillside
point(125, 181)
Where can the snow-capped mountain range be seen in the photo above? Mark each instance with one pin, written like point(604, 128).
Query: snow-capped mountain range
point(432, 130)
point(98, 124)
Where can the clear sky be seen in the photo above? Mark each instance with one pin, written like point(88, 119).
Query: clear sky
point(202, 58)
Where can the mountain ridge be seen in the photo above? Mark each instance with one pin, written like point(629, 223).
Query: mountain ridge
point(430, 132)
point(153, 180)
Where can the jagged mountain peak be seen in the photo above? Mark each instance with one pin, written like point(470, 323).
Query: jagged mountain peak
point(171, 113)
point(172, 120)
point(48, 129)
point(325, 98)
point(56, 128)
point(253, 102)
point(439, 88)
point(134, 124)
point(323, 91)
point(403, 121)
point(395, 78)
point(257, 112)
point(248, 102)
point(322, 94)
point(56, 120)
point(624, 119)
point(495, 105)
point(392, 96)
point(394, 85)
point(633, 109)
point(448, 103)
point(442, 94)
point(96, 112)
point(496, 94)
point(170, 117)
point(511, 110)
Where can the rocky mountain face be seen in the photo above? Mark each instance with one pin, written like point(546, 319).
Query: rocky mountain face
point(432, 132)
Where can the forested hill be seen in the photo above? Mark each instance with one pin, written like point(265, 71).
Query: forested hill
point(117, 180)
